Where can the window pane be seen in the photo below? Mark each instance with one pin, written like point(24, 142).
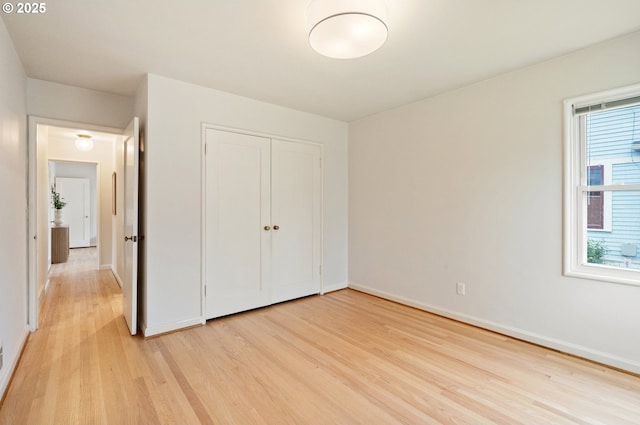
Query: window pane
point(613, 140)
point(620, 246)
point(596, 175)
point(595, 200)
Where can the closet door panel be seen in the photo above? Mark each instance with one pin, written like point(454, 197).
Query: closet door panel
point(237, 253)
point(296, 216)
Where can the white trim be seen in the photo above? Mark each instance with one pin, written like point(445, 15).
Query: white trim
point(9, 369)
point(605, 273)
point(604, 96)
point(203, 220)
point(45, 288)
point(116, 276)
point(323, 289)
point(171, 326)
point(556, 344)
point(569, 240)
point(334, 287)
point(574, 188)
point(206, 126)
point(611, 187)
point(75, 124)
point(32, 225)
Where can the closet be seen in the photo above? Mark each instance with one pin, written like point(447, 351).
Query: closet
point(262, 221)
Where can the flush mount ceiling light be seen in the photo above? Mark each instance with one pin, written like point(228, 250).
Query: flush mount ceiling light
point(347, 29)
point(84, 142)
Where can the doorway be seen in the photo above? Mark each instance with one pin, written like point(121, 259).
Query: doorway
point(75, 182)
point(51, 148)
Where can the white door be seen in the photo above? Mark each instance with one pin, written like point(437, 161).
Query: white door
point(237, 222)
point(77, 213)
point(297, 220)
point(130, 208)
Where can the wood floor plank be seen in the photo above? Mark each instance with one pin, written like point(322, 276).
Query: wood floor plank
point(342, 358)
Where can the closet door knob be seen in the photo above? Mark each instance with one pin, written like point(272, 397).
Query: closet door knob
point(276, 227)
point(267, 228)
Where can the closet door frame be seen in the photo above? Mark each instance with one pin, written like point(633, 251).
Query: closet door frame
point(203, 217)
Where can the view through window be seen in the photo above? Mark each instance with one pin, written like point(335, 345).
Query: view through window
point(612, 145)
point(602, 177)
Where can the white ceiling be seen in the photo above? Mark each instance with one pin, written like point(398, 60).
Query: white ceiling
point(259, 48)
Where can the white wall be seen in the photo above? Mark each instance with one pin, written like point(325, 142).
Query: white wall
point(13, 246)
point(467, 187)
point(53, 100)
point(176, 111)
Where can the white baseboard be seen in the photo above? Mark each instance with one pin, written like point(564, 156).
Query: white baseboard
point(105, 267)
point(334, 287)
point(10, 363)
point(45, 288)
point(115, 275)
point(566, 347)
point(148, 331)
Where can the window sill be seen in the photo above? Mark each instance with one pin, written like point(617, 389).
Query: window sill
point(606, 274)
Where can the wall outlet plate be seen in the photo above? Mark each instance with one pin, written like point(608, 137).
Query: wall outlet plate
point(461, 288)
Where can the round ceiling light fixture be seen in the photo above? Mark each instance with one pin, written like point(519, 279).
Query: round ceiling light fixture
point(347, 29)
point(84, 143)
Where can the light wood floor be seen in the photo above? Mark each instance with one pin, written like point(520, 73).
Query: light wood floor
point(342, 358)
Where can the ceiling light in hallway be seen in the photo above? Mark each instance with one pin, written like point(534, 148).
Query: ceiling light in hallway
point(84, 143)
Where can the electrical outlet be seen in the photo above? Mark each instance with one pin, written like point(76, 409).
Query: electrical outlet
point(461, 288)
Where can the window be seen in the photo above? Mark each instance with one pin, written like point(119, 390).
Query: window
point(602, 186)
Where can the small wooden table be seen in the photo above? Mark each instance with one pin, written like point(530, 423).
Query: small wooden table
point(59, 244)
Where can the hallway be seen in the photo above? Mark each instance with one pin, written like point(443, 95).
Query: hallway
point(60, 376)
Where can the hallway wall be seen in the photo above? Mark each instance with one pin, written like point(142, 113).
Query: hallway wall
point(53, 100)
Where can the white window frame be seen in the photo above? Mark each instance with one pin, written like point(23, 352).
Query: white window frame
point(575, 189)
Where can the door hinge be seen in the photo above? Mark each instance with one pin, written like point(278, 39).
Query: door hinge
point(320, 162)
point(205, 148)
point(205, 291)
point(320, 269)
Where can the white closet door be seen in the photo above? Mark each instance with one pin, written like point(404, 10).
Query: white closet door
point(237, 193)
point(297, 220)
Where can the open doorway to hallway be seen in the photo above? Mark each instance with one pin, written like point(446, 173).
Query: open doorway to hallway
point(57, 164)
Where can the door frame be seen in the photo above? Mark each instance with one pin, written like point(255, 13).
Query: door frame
point(96, 189)
point(203, 192)
point(32, 205)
